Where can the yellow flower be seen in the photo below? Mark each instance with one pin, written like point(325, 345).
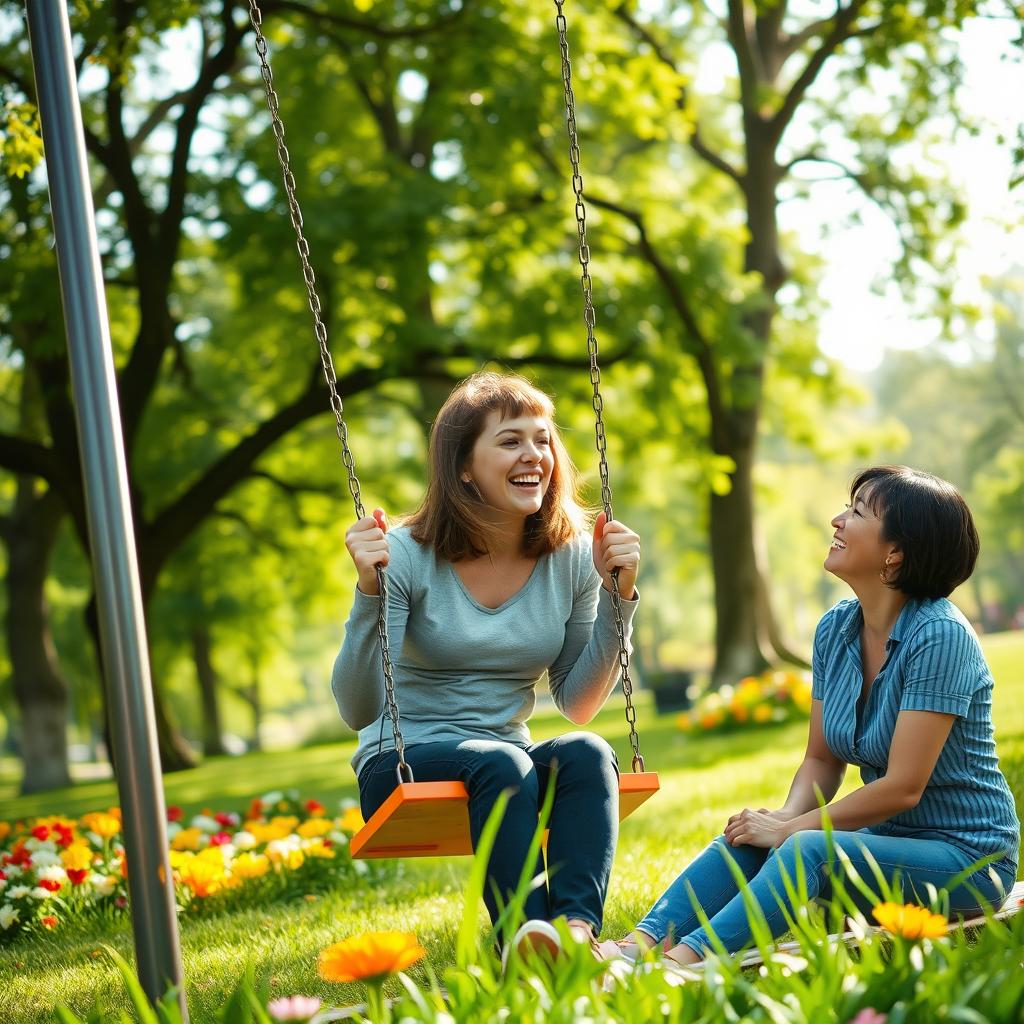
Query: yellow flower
point(910, 921)
point(802, 695)
point(684, 723)
point(762, 713)
point(749, 689)
point(315, 827)
point(369, 957)
point(316, 848)
point(104, 825)
point(287, 823)
point(250, 865)
point(351, 820)
point(77, 857)
point(187, 839)
point(5, 830)
point(268, 833)
point(203, 877)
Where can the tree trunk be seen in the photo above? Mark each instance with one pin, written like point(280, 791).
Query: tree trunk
point(206, 676)
point(737, 635)
point(175, 755)
point(39, 688)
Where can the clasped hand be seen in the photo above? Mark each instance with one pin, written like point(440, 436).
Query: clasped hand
point(763, 828)
point(616, 546)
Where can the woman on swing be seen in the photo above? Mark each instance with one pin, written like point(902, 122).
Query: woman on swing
point(901, 689)
point(493, 581)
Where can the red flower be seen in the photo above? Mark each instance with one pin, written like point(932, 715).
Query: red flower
point(64, 835)
point(41, 832)
point(3, 875)
point(49, 921)
point(328, 843)
point(220, 838)
point(256, 808)
point(77, 875)
point(48, 885)
point(315, 808)
point(223, 818)
point(175, 813)
point(121, 902)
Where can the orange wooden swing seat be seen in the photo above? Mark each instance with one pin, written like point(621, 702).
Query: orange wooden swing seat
point(431, 819)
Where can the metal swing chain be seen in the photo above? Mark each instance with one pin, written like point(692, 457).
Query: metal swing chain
point(590, 319)
point(320, 329)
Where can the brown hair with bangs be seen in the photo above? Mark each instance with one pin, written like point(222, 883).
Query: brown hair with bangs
point(451, 518)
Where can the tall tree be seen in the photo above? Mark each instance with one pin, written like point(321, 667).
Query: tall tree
point(798, 100)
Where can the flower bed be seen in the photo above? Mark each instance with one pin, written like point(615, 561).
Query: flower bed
point(772, 697)
point(56, 869)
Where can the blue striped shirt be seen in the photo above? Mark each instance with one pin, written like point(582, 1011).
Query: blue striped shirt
point(933, 662)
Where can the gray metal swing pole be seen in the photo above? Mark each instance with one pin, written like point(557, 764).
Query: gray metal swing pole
point(111, 534)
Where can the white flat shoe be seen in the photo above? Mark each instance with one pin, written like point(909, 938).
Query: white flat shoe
point(533, 936)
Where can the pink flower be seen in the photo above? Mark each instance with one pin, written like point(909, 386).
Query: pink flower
point(220, 838)
point(293, 1007)
point(870, 1016)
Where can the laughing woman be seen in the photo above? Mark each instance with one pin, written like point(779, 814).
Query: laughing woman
point(901, 690)
point(493, 583)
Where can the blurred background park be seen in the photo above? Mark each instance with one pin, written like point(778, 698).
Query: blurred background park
point(808, 256)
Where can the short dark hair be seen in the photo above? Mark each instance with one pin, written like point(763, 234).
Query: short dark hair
point(929, 520)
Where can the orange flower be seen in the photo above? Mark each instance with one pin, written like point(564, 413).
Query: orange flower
point(910, 921)
point(369, 957)
point(5, 830)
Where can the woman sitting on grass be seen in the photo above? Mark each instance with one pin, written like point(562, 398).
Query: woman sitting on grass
point(492, 583)
point(901, 689)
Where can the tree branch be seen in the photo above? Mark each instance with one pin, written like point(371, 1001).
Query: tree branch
point(697, 143)
point(700, 348)
point(368, 28)
point(841, 30)
point(739, 40)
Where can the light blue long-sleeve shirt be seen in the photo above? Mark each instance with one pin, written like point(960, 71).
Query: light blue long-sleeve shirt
point(465, 671)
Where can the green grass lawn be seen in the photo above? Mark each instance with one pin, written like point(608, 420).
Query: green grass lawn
point(704, 780)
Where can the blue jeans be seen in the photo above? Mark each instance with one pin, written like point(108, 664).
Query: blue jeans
point(919, 861)
point(584, 823)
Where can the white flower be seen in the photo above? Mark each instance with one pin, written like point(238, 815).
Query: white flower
point(173, 828)
point(8, 916)
point(3, 884)
point(276, 796)
point(39, 893)
point(227, 851)
point(17, 891)
point(360, 867)
point(34, 844)
point(44, 859)
point(95, 839)
point(338, 838)
point(54, 873)
point(347, 802)
point(13, 870)
point(206, 823)
point(282, 847)
point(244, 840)
point(103, 884)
